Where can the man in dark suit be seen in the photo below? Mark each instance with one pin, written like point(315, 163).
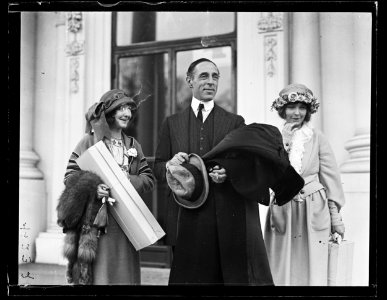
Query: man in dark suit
point(197, 129)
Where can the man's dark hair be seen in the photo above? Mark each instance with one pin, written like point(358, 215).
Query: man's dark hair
point(192, 66)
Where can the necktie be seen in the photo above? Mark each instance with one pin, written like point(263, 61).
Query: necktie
point(200, 114)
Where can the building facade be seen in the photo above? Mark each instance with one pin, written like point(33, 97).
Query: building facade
point(69, 59)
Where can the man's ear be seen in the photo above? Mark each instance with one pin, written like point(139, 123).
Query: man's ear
point(188, 79)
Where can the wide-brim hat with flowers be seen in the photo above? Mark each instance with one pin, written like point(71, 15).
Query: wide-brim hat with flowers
point(296, 92)
point(95, 116)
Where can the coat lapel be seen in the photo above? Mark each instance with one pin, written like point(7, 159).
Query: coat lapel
point(307, 154)
point(181, 130)
point(221, 125)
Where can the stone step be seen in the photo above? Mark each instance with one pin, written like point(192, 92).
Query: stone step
point(49, 274)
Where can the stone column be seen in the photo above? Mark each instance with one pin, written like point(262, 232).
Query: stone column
point(83, 75)
point(263, 70)
point(305, 54)
point(31, 182)
point(337, 71)
point(358, 145)
point(356, 169)
point(264, 36)
point(346, 61)
point(49, 243)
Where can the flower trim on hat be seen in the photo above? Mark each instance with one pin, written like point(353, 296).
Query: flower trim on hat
point(296, 97)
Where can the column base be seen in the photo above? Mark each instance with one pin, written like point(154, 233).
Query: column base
point(359, 153)
point(356, 218)
point(49, 247)
point(32, 216)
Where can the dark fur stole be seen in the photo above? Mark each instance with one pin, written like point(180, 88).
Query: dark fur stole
point(82, 218)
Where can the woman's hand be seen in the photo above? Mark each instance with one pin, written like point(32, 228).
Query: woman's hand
point(289, 129)
point(217, 174)
point(337, 225)
point(340, 229)
point(102, 191)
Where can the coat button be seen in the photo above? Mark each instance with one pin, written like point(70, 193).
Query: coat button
point(302, 191)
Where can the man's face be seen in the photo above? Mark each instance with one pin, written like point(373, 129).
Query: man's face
point(204, 83)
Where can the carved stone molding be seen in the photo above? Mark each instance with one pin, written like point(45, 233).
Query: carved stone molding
point(74, 22)
point(74, 46)
point(270, 43)
point(270, 22)
point(74, 74)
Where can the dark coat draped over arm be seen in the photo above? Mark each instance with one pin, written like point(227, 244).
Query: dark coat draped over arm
point(256, 160)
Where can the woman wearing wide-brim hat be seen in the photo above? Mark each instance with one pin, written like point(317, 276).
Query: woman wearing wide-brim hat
point(97, 249)
point(297, 233)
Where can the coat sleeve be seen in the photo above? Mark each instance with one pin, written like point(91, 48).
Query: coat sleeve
point(242, 175)
point(329, 173)
point(240, 122)
point(144, 180)
point(163, 151)
point(82, 146)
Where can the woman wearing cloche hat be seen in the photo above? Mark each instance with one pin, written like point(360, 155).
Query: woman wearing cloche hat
point(297, 233)
point(97, 249)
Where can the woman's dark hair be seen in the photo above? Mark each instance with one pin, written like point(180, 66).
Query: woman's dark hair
point(282, 114)
point(192, 66)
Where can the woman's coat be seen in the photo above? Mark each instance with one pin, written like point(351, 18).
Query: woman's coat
point(117, 262)
point(297, 233)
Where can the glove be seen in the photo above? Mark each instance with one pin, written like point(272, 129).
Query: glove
point(337, 225)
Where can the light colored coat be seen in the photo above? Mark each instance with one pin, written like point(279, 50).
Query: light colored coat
point(297, 233)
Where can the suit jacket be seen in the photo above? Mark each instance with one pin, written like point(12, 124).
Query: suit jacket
point(173, 138)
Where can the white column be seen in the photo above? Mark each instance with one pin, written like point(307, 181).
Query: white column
point(262, 68)
point(346, 58)
point(98, 57)
point(83, 75)
point(31, 182)
point(305, 55)
point(358, 145)
point(49, 243)
point(356, 170)
point(262, 64)
point(337, 77)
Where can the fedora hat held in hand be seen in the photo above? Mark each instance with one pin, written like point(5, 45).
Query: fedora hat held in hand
point(189, 182)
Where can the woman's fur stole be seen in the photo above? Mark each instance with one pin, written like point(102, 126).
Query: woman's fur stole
point(83, 218)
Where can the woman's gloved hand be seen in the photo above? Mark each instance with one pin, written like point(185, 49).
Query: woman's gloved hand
point(103, 192)
point(337, 225)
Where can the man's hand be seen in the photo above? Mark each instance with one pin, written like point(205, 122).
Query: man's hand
point(217, 174)
point(178, 159)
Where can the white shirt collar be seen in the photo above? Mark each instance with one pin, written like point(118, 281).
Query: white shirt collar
point(208, 106)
